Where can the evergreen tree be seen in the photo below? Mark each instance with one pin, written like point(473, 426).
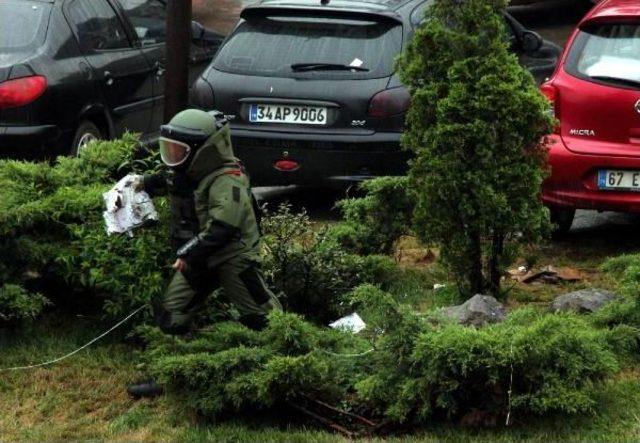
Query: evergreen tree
point(476, 127)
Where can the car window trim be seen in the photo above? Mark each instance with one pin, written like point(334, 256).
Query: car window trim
point(74, 28)
point(130, 29)
point(126, 23)
point(570, 65)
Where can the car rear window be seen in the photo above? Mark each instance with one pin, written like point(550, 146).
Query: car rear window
point(22, 24)
point(608, 53)
point(269, 46)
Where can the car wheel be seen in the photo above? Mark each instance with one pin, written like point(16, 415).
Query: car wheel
point(562, 219)
point(86, 133)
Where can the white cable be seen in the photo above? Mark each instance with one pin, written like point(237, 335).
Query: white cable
point(508, 421)
point(348, 355)
point(89, 343)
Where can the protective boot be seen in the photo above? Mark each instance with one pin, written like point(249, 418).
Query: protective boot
point(144, 389)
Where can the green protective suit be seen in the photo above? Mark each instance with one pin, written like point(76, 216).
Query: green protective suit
point(224, 253)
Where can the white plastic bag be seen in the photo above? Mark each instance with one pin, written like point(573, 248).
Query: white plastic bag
point(353, 323)
point(127, 208)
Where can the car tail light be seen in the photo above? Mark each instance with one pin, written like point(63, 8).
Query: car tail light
point(21, 91)
point(389, 102)
point(552, 94)
point(285, 165)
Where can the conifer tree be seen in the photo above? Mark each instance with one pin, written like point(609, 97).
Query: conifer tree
point(476, 126)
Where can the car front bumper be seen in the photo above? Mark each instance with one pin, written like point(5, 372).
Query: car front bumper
point(573, 181)
point(323, 160)
point(26, 141)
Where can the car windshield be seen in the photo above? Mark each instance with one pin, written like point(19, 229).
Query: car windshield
point(278, 46)
point(610, 53)
point(21, 24)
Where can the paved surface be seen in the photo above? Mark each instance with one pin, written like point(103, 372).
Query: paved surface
point(593, 221)
point(554, 20)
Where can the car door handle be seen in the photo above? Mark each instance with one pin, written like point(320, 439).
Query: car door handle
point(108, 78)
point(159, 67)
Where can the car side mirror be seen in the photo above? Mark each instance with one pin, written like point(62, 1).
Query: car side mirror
point(204, 37)
point(197, 31)
point(531, 41)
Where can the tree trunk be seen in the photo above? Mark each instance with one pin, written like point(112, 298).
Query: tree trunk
point(497, 248)
point(178, 47)
point(476, 279)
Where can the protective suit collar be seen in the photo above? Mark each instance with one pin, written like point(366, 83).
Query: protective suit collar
point(216, 153)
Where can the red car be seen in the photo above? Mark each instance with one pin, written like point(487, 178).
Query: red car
point(595, 93)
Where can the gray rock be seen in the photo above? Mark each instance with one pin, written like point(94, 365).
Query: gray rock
point(583, 301)
point(477, 311)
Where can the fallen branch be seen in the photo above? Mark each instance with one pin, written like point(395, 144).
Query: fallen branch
point(323, 420)
point(356, 417)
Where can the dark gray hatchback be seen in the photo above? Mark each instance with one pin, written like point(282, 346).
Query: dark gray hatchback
point(310, 89)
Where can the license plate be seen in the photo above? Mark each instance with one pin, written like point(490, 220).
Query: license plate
point(298, 115)
point(619, 179)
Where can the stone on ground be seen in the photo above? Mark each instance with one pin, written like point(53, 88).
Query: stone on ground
point(477, 311)
point(583, 301)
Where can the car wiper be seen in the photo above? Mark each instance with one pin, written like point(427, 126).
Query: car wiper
point(301, 67)
point(624, 81)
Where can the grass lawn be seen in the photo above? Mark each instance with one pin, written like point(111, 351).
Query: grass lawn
point(83, 398)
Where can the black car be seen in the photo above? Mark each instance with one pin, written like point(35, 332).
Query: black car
point(75, 70)
point(310, 89)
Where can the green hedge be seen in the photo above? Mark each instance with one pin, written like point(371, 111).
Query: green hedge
point(53, 235)
point(229, 368)
point(51, 224)
point(422, 368)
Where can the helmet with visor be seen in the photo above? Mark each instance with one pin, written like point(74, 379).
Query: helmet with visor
point(177, 144)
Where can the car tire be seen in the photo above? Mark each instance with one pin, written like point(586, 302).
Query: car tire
point(562, 219)
point(87, 132)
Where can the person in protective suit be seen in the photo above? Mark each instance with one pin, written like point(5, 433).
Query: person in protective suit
point(214, 226)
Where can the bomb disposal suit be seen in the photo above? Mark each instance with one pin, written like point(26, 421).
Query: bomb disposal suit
point(214, 225)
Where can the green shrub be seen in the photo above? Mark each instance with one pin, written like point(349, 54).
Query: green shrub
point(622, 316)
point(310, 270)
point(423, 370)
point(623, 311)
point(51, 227)
point(373, 223)
point(475, 126)
point(37, 195)
point(228, 368)
point(17, 304)
point(124, 271)
point(626, 270)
